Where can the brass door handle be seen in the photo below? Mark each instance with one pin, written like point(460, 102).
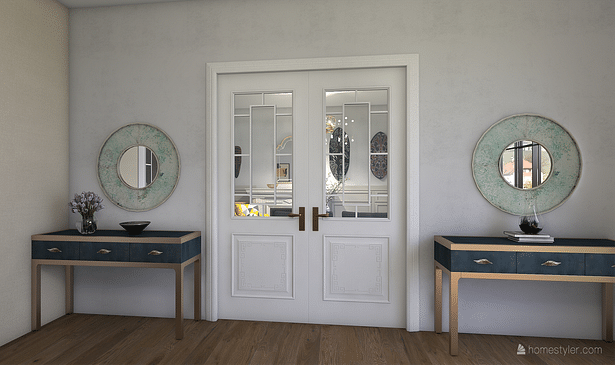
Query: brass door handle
point(301, 216)
point(315, 216)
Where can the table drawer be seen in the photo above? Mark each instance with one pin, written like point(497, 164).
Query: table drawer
point(104, 251)
point(55, 250)
point(156, 252)
point(550, 263)
point(483, 261)
point(599, 264)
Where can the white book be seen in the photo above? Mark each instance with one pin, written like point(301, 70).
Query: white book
point(523, 234)
point(532, 240)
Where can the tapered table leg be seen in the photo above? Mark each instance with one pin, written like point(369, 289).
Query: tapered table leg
point(197, 290)
point(69, 277)
point(179, 302)
point(438, 299)
point(36, 296)
point(607, 312)
point(453, 316)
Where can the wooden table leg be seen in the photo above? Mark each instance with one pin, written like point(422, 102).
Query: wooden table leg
point(179, 302)
point(197, 290)
point(36, 296)
point(607, 312)
point(453, 314)
point(69, 277)
point(438, 300)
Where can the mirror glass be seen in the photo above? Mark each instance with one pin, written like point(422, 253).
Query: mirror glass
point(525, 164)
point(138, 167)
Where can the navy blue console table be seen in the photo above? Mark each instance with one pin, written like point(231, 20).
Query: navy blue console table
point(150, 249)
point(573, 259)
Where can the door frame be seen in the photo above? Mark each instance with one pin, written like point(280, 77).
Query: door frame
point(411, 64)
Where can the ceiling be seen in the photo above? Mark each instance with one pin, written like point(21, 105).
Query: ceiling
point(95, 3)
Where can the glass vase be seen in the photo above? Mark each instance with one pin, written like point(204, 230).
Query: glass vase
point(87, 225)
point(531, 222)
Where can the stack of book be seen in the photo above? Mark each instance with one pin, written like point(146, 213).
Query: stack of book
point(519, 236)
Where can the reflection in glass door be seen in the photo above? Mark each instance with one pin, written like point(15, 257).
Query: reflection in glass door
point(356, 153)
point(263, 154)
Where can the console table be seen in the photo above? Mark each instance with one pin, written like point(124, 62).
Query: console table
point(150, 249)
point(580, 260)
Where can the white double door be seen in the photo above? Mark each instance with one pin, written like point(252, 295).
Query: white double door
point(331, 140)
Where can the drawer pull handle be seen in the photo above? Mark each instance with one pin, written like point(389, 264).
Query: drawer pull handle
point(613, 266)
point(551, 263)
point(104, 251)
point(483, 262)
point(155, 252)
point(54, 250)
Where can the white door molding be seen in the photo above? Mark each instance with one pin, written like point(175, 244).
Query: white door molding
point(410, 62)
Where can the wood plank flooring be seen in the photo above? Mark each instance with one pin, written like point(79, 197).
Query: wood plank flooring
point(98, 339)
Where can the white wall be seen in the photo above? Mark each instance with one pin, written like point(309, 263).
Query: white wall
point(34, 150)
point(480, 60)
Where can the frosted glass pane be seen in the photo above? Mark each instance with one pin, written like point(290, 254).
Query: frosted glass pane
point(242, 133)
point(377, 98)
point(339, 98)
point(282, 101)
point(380, 123)
point(284, 135)
point(356, 123)
point(242, 171)
point(263, 146)
point(244, 101)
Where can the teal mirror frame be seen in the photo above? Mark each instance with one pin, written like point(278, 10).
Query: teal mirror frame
point(566, 164)
point(118, 192)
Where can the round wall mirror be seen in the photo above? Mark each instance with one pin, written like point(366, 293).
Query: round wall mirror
point(544, 134)
point(525, 164)
point(138, 167)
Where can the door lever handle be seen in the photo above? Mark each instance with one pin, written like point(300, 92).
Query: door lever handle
point(301, 216)
point(315, 216)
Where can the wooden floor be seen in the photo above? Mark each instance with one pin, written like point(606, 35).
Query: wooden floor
point(98, 339)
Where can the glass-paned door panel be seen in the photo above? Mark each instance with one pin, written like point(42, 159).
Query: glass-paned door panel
point(263, 153)
point(356, 162)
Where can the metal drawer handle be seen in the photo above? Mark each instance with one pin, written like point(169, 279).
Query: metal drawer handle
point(54, 250)
point(613, 266)
point(155, 252)
point(483, 262)
point(551, 263)
point(103, 251)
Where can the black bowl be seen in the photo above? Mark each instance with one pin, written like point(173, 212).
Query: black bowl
point(135, 227)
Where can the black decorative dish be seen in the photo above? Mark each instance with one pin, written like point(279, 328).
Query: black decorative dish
point(134, 227)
